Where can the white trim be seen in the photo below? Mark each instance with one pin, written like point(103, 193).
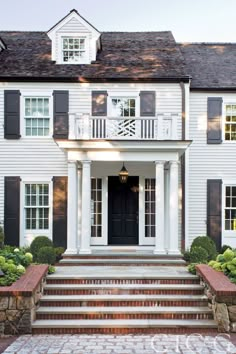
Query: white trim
point(186, 177)
point(226, 233)
point(95, 241)
point(69, 17)
point(27, 94)
point(116, 95)
point(85, 60)
point(30, 234)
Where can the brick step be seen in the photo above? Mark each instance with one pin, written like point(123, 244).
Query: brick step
point(109, 289)
point(121, 279)
point(121, 261)
point(122, 326)
point(64, 313)
point(121, 255)
point(123, 300)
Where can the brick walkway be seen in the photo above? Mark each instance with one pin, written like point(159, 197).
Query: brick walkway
point(130, 344)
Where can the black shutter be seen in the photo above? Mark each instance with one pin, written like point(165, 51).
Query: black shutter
point(214, 120)
point(214, 210)
point(12, 210)
point(147, 103)
point(11, 114)
point(60, 211)
point(61, 116)
point(99, 103)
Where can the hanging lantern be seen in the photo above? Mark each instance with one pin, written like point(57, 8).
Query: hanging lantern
point(123, 175)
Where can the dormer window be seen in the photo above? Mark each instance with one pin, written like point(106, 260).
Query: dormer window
point(74, 49)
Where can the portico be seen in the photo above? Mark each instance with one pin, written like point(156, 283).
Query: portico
point(103, 213)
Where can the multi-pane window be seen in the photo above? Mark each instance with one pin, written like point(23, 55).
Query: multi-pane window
point(36, 206)
point(123, 107)
point(230, 208)
point(150, 207)
point(96, 207)
point(37, 116)
point(73, 49)
point(230, 122)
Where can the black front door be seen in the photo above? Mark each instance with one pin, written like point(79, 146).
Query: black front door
point(123, 209)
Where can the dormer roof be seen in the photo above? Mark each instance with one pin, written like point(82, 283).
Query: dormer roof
point(73, 14)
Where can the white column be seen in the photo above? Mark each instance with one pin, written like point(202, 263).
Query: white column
point(86, 208)
point(72, 208)
point(79, 214)
point(160, 211)
point(174, 208)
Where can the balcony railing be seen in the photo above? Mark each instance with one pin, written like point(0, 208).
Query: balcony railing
point(85, 127)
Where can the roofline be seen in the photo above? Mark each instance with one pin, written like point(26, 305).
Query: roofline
point(73, 10)
point(80, 79)
point(213, 89)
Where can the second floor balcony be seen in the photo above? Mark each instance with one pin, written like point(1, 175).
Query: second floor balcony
point(161, 127)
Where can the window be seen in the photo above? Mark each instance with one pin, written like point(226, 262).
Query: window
point(230, 208)
point(36, 206)
point(73, 49)
point(230, 122)
point(96, 207)
point(150, 201)
point(37, 116)
point(123, 107)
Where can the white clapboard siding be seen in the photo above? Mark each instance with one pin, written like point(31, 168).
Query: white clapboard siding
point(216, 161)
point(42, 157)
point(73, 25)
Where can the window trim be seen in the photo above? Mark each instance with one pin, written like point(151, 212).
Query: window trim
point(68, 35)
point(28, 235)
point(128, 95)
point(226, 233)
point(225, 103)
point(25, 95)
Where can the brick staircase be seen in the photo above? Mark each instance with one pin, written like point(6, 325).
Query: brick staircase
point(123, 299)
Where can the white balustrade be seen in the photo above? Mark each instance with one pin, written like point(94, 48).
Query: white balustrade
point(85, 127)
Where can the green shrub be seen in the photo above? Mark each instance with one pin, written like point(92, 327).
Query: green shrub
point(51, 269)
point(59, 251)
point(228, 255)
point(192, 268)
point(1, 237)
point(224, 248)
point(186, 256)
point(208, 244)
point(198, 254)
point(46, 255)
point(37, 244)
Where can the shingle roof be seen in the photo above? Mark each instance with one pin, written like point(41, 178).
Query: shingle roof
point(211, 65)
point(124, 56)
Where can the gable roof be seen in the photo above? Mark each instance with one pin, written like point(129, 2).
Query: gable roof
point(73, 11)
point(212, 65)
point(124, 56)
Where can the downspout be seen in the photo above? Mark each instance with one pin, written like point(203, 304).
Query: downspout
point(182, 87)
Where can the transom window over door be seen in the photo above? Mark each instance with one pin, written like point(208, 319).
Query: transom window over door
point(230, 122)
point(36, 206)
point(230, 208)
point(37, 118)
point(73, 49)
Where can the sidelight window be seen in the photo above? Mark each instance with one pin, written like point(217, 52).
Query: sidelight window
point(96, 207)
point(150, 207)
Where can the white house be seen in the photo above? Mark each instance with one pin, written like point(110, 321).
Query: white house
point(78, 105)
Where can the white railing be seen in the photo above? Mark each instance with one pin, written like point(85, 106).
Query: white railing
point(85, 127)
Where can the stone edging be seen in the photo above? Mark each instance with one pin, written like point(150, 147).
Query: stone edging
point(18, 302)
point(221, 294)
